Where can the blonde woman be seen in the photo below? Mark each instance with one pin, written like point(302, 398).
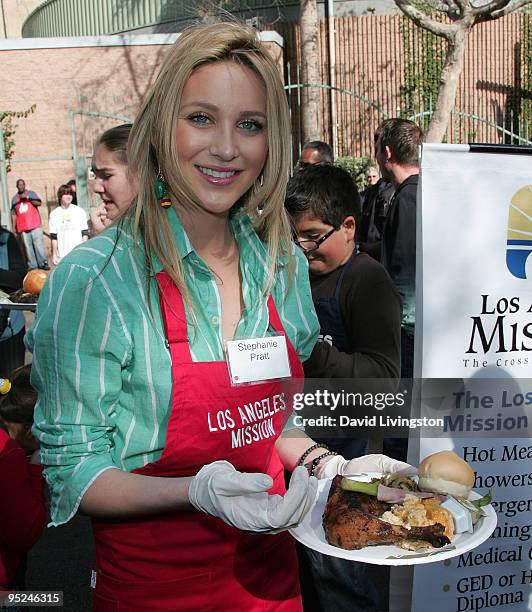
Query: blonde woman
point(141, 417)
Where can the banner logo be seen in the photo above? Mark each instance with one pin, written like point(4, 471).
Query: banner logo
point(519, 245)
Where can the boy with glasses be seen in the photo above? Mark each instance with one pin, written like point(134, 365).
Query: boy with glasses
point(359, 311)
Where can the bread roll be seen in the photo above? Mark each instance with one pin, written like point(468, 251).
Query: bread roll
point(445, 472)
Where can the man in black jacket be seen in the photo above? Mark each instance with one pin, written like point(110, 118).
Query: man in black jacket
point(397, 143)
point(375, 202)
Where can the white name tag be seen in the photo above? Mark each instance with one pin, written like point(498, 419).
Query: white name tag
point(257, 359)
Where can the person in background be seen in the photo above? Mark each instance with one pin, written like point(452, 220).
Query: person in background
point(372, 176)
point(12, 323)
point(16, 410)
point(72, 184)
point(26, 221)
point(359, 311)
point(151, 440)
point(22, 511)
point(67, 224)
point(113, 181)
point(316, 152)
point(375, 200)
point(397, 146)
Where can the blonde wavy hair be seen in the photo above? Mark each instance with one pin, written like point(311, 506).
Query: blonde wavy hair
point(152, 146)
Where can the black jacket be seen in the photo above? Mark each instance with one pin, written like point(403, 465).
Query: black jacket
point(375, 203)
point(11, 280)
point(371, 312)
point(398, 254)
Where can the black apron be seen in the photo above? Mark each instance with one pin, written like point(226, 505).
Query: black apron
point(333, 331)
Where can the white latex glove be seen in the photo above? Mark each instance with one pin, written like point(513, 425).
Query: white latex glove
point(331, 466)
point(241, 500)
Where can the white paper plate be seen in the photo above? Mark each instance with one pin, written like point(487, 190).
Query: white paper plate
point(310, 533)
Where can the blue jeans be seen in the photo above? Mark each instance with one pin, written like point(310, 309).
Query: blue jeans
point(34, 243)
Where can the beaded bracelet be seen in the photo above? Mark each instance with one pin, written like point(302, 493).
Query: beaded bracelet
point(309, 450)
point(312, 465)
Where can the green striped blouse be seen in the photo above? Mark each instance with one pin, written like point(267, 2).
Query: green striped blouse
point(100, 361)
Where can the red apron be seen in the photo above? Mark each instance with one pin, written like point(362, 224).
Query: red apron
point(189, 561)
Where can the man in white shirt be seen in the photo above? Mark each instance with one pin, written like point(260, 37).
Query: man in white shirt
point(67, 224)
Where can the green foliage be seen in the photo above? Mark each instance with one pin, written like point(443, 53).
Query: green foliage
point(424, 59)
point(9, 128)
point(357, 168)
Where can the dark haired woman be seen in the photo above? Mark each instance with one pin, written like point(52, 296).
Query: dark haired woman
point(113, 182)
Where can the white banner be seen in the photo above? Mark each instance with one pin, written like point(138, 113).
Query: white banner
point(474, 325)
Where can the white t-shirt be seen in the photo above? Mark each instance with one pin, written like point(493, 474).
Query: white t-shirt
point(67, 223)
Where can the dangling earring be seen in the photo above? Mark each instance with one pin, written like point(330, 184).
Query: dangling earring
point(161, 190)
point(261, 180)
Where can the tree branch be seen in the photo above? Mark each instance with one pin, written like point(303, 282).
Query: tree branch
point(464, 6)
point(451, 8)
point(486, 10)
point(512, 6)
point(445, 30)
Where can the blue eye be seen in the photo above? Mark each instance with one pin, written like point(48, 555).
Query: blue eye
point(251, 125)
point(199, 119)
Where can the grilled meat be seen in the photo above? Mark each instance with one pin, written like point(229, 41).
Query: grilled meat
point(21, 297)
point(351, 520)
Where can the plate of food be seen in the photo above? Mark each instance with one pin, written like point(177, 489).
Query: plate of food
point(25, 298)
point(391, 520)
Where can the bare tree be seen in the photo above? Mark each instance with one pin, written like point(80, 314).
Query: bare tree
point(464, 16)
point(310, 69)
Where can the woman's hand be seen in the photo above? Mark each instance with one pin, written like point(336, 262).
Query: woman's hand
point(241, 499)
point(99, 219)
point(331, 466)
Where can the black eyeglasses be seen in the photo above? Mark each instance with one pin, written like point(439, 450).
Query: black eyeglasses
point(312, 245)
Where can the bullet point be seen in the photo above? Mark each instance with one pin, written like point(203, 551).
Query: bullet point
point(446, 588)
